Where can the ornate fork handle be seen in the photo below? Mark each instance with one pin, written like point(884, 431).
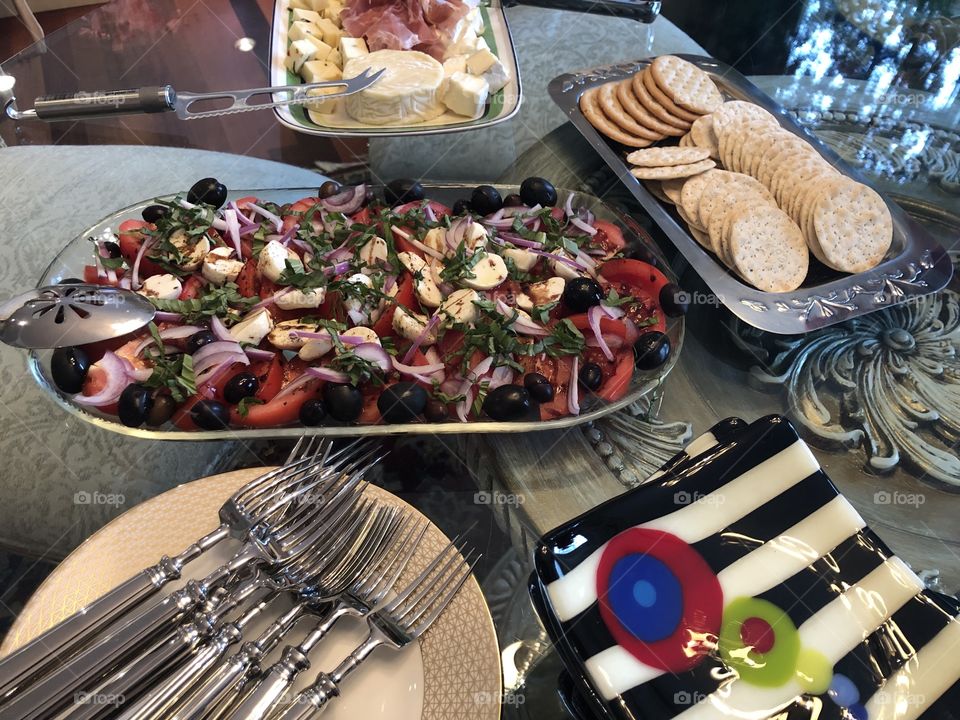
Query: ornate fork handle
point(67, 637)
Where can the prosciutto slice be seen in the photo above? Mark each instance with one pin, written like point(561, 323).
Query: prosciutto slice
point(405, 24)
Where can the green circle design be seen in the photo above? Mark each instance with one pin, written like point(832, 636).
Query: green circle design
point(769, 669)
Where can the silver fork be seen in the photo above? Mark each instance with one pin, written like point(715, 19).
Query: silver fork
point(361, 597)
point(360, 536)
point(241, 512)
point(298, 533)
point(187, 639)
point(398, 623)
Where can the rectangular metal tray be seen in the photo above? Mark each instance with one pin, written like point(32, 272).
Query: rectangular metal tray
point(915, 264)
point(70, 261)
point(503, 104)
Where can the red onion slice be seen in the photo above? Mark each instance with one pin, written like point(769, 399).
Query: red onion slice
point(141, 251)
point(417, 370)
point(593, 317)
point(346, 202)
point(573, 389)
point(515, 239)
point(217, 359)
point(521, 324)
point(213, 348)
point(277, 222)
point(258, 355)
point(612, 312)
point(233, 231)
point(502, 375)
point(174, 333)
point(577, 222)
point(117, 379)
point(419, 340)
point(219, 330)
point(373, 352)
point(416, 243)
point(271, 300)
point(167, 316)
point(289, 234)
point(328, 374)
point(338, 269)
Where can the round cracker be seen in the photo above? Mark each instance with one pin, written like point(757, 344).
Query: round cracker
point(594, 115)
point(768, 249)
point(664, 156)
point(654, 188)
point(674, 171)
point(691, 223)
point(637, 111)
point(655, 112)
point(701, 237)
point(735, 111)
point(691, 192)
point(853, 225)
point(611, 107)
point(720, 190)
point(686, 84)
point(661, 97)
point(672, 189)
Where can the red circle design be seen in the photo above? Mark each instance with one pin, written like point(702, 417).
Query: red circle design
point(756, 633)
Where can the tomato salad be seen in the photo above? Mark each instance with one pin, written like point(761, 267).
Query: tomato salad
point(348, 307)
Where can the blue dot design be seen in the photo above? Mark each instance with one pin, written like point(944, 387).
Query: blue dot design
point(645, 596)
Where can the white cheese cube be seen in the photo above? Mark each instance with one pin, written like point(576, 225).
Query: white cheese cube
point(480, 62)
point(319, 71)
point(332, 13)
point(488, 273)
point(301, 299)
point(163, 287)
point(218, 267)
point(253, 328)
point(335, 58)
point(523, 259)
point(331, 32)
point(323, 106)
point(310, 16)
point(466, 94)
point(481, 44)
point(273, 260)
point(497, 77)
point(300, 53)
point(455, 64)
point(475, 19)
point(459, 308)
point(464, 42)
point(323, 50)
point(351, 48)
point(302, 29)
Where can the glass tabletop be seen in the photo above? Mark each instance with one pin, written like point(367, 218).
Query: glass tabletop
point(876, 398)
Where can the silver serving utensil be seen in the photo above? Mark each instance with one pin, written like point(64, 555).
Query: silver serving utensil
point(397, 624)
point(87, 105)
point(256, 502)
point(76, 314)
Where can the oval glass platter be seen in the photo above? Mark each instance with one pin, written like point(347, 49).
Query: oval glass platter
point(916, 264)
point(501, 105)
point(70, 261)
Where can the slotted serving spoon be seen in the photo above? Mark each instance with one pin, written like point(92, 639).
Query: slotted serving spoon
point(87, 105)
point(71, 314)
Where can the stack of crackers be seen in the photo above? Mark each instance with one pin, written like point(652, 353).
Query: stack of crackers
point(757, 196)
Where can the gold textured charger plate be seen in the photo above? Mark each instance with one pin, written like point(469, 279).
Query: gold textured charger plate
point(454, 673)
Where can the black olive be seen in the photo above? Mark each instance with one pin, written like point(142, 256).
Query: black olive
point(313, 413)
point(240, 386)
point(485, 199)
point(461, 207)
point(134, 405)
point(591, 376)
point(153, 213)
point(163, 408)
point(369, 196)
point(539, 387)
point(329, 189)
point(69, 366)
point(401, 402)
point(198, 340)
point(69, 281)
point(651, 350)
point(581, 294)
point(507, 402)
point(673, 301)
point(208, 191)
point(402, 191)
point(210, 415)
point(113, 250)
point(537, 191)
point(512, 200)
point(344, 402)
point(436, 411)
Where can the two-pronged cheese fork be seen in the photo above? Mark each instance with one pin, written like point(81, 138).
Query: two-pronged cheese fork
point(87, 105)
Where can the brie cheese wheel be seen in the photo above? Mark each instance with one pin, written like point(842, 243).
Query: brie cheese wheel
point(409, 91)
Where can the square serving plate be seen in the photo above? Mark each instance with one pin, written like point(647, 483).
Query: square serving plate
point(915, 265)
point(502, 105)
point(738, 582)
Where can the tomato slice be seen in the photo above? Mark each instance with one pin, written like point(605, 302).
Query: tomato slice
point(609, 236)
point(635, 273)
point(191, 288)
point(296, 212)
point(439, 209)
point(616, 386)
point(270, 375)
point(248, 284)
point(279, 411)
point(608, 326)
point(130, 238)
point(92, 275)
point(404, 297)
point(361, 217)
